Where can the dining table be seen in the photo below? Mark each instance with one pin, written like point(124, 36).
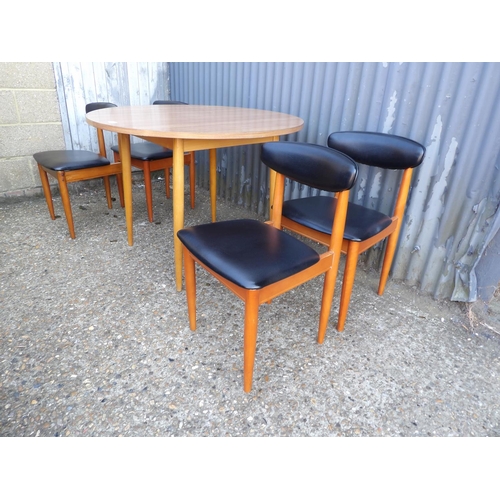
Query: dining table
point(184, 129)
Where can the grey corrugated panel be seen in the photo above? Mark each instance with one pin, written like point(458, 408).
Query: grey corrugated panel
point(451, 108)
point(449, 218)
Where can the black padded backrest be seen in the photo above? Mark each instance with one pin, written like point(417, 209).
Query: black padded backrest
point(311, 164)
point(92, 106)
point(169, 102)
point(379, 150)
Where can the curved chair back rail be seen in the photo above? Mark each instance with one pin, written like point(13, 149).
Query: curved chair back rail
point(313, 216)
point(258, 261)
point(378, 149)
point(92, 106)
point(168, 102)
point(312, 165)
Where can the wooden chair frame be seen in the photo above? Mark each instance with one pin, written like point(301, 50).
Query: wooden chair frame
point(328, 265)
point(352, 249)
point(166, 164)
point(68, 176)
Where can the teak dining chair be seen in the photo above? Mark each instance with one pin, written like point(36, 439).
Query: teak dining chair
point(150, 157)
point(258, 261)
point(77, 165)
point(312, 216)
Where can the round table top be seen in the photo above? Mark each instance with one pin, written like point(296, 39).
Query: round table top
point(194, 121)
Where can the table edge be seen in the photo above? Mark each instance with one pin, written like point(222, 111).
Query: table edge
point(203, 136)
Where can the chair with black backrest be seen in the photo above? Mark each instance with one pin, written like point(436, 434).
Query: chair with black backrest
point(312, 216)
point(77, 165)
point(258, 261)
point(150, 157)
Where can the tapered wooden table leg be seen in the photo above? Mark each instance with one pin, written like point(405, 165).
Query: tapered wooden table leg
point(272, 183)
point(213, 183)
point(178, 206)
point(124, 146)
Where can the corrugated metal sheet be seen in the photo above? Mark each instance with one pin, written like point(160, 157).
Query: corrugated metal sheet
point(451, 108)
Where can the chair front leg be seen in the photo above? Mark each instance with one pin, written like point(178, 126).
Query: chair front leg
point(326, 302)
point(63, 189)
point(348, 282)
point(250, 337)
point(190, 279)
point(46, 191)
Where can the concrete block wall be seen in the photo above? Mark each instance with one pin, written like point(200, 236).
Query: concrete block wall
point(30, 121)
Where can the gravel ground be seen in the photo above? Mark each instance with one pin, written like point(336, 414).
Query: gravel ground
point(95, 342)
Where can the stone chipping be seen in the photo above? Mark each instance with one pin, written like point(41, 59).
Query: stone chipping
point(95, 341)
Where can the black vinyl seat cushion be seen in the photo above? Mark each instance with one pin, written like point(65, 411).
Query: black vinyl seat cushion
point(146, 151)
point(317, 212)
point(64, 160)
point(247, 252)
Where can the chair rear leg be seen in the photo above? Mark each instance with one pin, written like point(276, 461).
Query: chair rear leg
point(250, 338)
point(392, 241)
point(348, 282)
point(63, 189)
point(107, 188)
point(393, 237)
point(119, 183)
point(46, 191)
point(119, 180)
point(149, 190)
point(190, 283)
point(192, 178)
point(167, 181)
